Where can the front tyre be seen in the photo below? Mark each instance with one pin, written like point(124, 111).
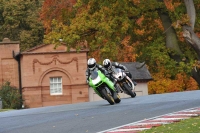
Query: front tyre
point(107, 96)
point(129, 91)
point(117, 99)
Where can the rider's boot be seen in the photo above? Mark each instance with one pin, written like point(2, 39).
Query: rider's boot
point(135, 83)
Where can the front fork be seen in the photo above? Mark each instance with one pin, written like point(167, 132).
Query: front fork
point(118, 88)
point(130, 81)
point(112, 93)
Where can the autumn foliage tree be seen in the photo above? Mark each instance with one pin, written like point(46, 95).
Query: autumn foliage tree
point(60, 10)
point(19, 21)
point(161, 33)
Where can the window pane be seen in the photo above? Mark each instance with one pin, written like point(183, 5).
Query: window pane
point(51, 80)
point(59, 80)
point(51, 91)
point(51, 86)
point(59, 85)
point(54, 86)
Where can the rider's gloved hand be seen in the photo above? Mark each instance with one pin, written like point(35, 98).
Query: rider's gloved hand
point(107, 75)
point(114, 82)
point(127, 72)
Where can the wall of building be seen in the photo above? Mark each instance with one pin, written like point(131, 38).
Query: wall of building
point(38, 68)
point(8, 65)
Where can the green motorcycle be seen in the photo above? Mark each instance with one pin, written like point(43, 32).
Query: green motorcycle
point(103, 87)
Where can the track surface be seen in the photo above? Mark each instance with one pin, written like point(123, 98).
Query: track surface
point(93, 117)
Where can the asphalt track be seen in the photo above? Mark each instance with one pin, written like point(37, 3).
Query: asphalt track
point(93, 117)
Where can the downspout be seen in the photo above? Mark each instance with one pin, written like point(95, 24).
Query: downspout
point(17, 58)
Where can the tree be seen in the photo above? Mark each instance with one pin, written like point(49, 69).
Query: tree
point(61, 10)
point(94, 23)
point(186, 21)
point(190, 36)
point(151, 29)
point(19, 21)
point(10, 96)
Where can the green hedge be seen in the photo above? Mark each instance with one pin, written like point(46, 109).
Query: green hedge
point(10, 96)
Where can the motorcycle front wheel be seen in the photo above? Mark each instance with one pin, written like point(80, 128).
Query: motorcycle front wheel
point(118, 99)
point(129, 91)
point(108, 97)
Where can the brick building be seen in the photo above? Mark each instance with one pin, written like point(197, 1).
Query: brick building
point(47, 76)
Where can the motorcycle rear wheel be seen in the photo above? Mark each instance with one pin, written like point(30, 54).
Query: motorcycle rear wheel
point(108, 97)
point(129, 91)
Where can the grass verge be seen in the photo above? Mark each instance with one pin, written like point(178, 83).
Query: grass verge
point(3, 110)
point(191, 125)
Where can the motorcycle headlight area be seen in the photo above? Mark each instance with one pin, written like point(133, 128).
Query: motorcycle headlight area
point(118, 76)
point(96, 80)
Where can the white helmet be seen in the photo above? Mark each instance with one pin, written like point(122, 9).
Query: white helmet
point(107, 64)
point(91, 63)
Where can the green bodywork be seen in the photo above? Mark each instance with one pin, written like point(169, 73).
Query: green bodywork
point(105, 80)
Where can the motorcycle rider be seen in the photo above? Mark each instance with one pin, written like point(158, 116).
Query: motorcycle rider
point(92, 65)
point(108, 66)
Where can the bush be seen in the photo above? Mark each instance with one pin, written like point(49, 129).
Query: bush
point(11, 98)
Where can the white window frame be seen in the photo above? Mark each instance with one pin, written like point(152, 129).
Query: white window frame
point(55, 86)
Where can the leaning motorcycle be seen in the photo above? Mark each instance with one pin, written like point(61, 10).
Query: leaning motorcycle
point(123, 82)
point(103, 87)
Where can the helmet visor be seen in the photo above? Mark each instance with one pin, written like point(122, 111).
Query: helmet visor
point(107, 65)
point(91, 65)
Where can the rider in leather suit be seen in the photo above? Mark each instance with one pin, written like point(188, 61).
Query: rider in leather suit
point(108, 65)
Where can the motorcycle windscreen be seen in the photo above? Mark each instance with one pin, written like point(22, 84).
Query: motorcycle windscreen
point(117, 70)
point(95, 78)
point(94, 75)
point(118, 74)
